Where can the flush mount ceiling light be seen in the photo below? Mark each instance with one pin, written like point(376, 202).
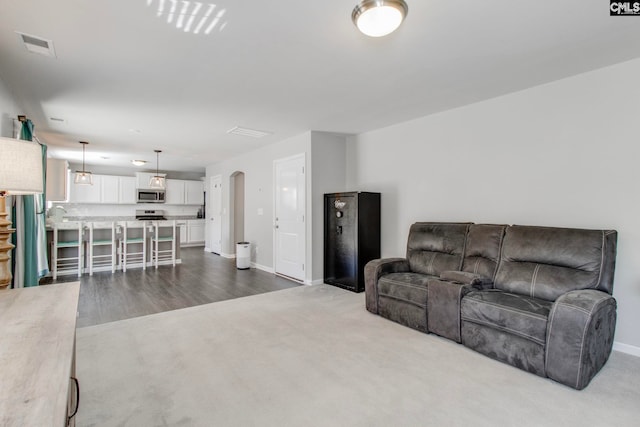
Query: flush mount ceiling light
point(157, 181)
point(377, 18)
point(83, 177)
point(138, 162)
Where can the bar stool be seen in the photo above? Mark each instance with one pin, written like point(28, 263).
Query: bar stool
point(102, 235)
point(133, 244)
point(66, 237)
point(160, 237)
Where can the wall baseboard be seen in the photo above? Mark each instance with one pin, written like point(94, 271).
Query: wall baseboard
point(229, 256)
point(626, 348)
point(263, 268)
point(314, 282)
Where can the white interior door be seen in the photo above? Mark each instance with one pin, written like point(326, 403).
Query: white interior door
point(214, 211)
point(289, 217)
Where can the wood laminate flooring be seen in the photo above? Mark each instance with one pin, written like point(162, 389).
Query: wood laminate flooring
point(202, 278)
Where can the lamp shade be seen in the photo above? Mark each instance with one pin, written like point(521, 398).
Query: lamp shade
point(156, 181)
point(83, 178)
point(20, 166)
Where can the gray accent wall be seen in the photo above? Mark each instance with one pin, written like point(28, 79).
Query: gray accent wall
point(563, 154)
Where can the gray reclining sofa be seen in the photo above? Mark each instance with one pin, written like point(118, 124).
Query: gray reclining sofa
point(538, 298)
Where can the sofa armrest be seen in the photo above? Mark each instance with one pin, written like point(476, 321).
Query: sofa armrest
point(443, 306)
point(372, 272)
point(579, 336)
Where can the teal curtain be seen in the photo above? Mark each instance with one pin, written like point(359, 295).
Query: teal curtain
point(28, 216)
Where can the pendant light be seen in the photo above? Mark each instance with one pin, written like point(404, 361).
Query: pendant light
point(157, 181)
point(377, 18)
point(83, 177)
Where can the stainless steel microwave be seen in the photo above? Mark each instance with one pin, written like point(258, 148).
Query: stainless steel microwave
point(151, 196)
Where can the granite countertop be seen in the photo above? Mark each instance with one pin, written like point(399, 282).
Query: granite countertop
point(88, 219)
point(170, 217)
point(122, 218)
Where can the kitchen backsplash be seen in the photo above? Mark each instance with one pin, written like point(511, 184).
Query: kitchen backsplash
point(101, 210)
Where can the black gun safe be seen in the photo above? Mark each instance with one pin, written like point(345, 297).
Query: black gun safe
point(351, 237)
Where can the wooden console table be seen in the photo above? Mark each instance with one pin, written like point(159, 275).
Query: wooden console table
point(37, 354)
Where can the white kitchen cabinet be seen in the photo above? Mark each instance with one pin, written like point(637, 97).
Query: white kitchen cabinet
point(85, 193)
point(174, 192)
point(57, 174)
point(109, 189)
point(184, 192)
point(194, 192)
point(106, 189)
point(195, 231)
point(127, 190)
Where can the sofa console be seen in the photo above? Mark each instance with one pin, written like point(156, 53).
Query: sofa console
point(537, 298)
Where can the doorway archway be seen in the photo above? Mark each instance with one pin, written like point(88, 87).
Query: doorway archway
point(236, 216)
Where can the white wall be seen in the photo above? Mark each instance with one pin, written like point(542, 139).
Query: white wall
point(258, 169)
point(8, 111)
point(325, 165)
point(562, 154)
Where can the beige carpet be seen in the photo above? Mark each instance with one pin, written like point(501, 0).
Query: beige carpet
point(313, 356)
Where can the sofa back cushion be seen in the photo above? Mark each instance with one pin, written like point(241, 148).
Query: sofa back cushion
point(436, 247)
point(546, 262)
point(482, 249)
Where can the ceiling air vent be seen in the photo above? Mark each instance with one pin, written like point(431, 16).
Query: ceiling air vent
point(252, 133)
point(37, 45)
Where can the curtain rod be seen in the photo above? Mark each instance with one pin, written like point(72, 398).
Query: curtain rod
point(21, 119)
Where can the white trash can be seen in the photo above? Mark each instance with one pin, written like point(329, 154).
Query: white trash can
point(243, 255)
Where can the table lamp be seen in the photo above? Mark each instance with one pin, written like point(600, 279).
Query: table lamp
point(20, 173)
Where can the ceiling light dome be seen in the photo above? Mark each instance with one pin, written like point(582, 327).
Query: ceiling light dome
point(377, 18)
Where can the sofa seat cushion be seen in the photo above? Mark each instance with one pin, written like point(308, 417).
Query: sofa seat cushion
point(408, 287)
point(402, 298)
point(512, 313)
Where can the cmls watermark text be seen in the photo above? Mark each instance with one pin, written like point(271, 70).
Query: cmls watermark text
point(624, 8)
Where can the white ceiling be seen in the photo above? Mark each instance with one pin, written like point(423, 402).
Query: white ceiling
point(129, 82)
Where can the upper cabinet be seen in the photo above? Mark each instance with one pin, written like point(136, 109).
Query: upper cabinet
point(127, 190)
point(85, 193)
point(183, 192)
point(57, 180)
point(194, 192)
point(174, 192)
point(107, 189)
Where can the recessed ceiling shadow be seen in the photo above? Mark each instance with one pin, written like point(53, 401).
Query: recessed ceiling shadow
point(190, 16)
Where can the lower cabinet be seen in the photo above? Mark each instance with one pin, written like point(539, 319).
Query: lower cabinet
point(192, 232)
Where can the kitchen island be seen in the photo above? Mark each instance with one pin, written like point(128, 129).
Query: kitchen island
point(110, 253)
